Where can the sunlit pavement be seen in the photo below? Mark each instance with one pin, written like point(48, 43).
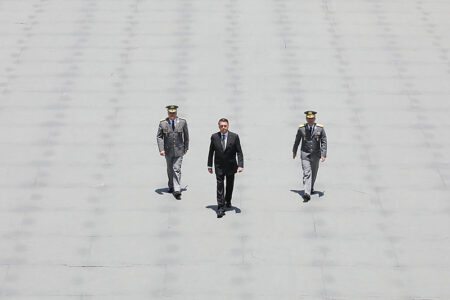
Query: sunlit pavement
point(83, 210)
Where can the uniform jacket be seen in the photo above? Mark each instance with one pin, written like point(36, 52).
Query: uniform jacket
point(225, 161)
point(312, 145)
point(173, 142)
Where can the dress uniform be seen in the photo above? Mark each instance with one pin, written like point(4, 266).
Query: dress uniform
point(173, 143)
point(313, 141)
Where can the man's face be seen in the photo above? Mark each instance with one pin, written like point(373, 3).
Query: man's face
point(172, 115)
point(311, 120)
point(223, 127)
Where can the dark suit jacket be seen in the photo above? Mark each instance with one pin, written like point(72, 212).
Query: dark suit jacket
point(225, 161)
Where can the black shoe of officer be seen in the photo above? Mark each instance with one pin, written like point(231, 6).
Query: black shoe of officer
point(228, 204)
point(177, 195)
point(306, 197)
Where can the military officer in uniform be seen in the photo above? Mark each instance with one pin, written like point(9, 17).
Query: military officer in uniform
point(313, 141)
point(173, 143)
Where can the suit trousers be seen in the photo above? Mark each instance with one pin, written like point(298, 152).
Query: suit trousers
point(174, 172)
point(224, 194)
point(310, 168)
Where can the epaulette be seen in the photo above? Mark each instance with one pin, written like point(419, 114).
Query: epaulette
point(301, 125)
point(319, 125)
point(162, 120)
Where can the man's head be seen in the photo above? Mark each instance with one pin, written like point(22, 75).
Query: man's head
point(310, 116)
point(223, 125)
point(172, 111)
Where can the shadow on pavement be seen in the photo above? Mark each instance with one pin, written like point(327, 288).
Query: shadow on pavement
point(214, 208)
point(302, 192)
point(165, 190)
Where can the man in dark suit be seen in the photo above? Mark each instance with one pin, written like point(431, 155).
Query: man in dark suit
point(224, 147)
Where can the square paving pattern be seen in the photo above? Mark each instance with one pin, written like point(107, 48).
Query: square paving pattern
point(83, 209)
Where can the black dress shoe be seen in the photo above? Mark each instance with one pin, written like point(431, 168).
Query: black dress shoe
point(177, 195)
point(306, 197)
point(228, 204)
point(220, 213)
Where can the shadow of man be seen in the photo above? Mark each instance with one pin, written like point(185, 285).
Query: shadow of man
point(301, 193)
point(215, 207)
point(161, 191)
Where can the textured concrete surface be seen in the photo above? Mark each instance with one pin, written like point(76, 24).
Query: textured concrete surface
point(83, 84)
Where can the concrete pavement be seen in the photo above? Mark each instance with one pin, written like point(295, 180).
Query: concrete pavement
point(84, 83)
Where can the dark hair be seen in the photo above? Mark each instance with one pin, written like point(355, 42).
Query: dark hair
point(223, 120)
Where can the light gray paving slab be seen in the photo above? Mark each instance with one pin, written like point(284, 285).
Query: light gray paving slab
point(84, 83)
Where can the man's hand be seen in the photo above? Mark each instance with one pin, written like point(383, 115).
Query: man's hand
point(294, 155)
point(322, 159)
point(210, 170)
point(162, 153)
point(240, 170)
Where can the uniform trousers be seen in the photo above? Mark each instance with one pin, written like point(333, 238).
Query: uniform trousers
point(174, 172)
point(310, 166)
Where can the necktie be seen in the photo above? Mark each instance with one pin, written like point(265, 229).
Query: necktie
point(173, 124)
point(223, 142)
point(310, 130)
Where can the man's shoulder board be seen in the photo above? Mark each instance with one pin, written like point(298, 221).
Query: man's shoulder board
point(301, 125)
point(319, 125)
